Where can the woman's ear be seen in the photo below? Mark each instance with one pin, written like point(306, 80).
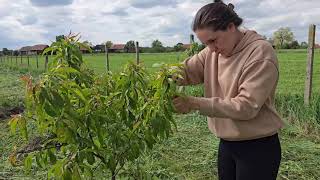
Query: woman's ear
point(231, 27)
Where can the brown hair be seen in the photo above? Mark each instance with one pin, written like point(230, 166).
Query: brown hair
point(216, 16)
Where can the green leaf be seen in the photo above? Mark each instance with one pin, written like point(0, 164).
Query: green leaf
point(67, 175)
point(49, 109)
point(43, 95)
point(47, 50)
point(57, 99)
point(75, 172)
point(65, 70)
point(23, 127)
point(13, 124)
point(39, 160)
point(97, 142)
point(28, 163)
point(88, 172)
point(136, 125)
point(79, 94)
point(90, 158)
point(157, 65)
point(45, 158)
point(52, 157)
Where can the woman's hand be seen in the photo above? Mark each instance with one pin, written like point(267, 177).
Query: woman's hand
point(185, 104)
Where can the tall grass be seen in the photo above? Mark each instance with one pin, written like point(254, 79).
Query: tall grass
point(305, 118)
point(191, 153)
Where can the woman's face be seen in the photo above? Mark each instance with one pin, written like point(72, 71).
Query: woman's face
point(219, 41)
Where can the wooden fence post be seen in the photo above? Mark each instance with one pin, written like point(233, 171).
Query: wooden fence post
point(21, 59)
point(137, 52)
point(28, 60)
point(37, 60)
point(11, 58)
point(308, 83)
point(46, 62)
point(181, 88)
point(17, 59)
point(107, 56)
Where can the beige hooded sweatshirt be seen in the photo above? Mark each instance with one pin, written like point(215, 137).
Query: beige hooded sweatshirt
point(239, 89)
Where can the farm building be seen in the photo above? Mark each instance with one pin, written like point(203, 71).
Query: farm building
point(117, 48)
point(36, 49)
point(186, 46)
point(84, 50)
point(25, 50)
point(98, 48)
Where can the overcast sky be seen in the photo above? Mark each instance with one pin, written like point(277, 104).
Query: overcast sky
point(29, 22)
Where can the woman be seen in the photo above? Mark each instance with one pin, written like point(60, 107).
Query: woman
point(239, 70)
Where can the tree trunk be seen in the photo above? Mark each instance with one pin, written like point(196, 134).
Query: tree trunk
point(113, 176)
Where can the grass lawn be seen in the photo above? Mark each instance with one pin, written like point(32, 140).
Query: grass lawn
point(192, 151)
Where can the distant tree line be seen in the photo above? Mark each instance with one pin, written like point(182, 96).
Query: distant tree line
point(283, 38)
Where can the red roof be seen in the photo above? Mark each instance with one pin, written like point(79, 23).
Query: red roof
point(117, 46)
point(186, 46)
point(38, 47)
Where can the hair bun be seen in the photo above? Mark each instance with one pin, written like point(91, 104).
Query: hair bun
point(218, 1)
point(230, 6)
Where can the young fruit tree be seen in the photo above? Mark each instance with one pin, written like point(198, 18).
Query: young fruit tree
point(86, 120)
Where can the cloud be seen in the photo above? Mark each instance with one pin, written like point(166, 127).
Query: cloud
point(116, 12)
point(27, 22)
point(11, 33)
point(45, 3)
point(152, 3)
point(268, 16)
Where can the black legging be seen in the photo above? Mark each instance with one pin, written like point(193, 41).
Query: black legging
point(257, 159)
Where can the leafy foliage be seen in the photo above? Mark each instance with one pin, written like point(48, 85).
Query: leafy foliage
point(194, 49)
point(178, 47)
point(108, 44)
point(130, 46)
point(157, 46)
point(86, 121)
point(283, 36)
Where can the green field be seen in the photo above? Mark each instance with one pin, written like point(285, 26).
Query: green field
point(292, 65)
point(191, 152)
point(97, 61)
